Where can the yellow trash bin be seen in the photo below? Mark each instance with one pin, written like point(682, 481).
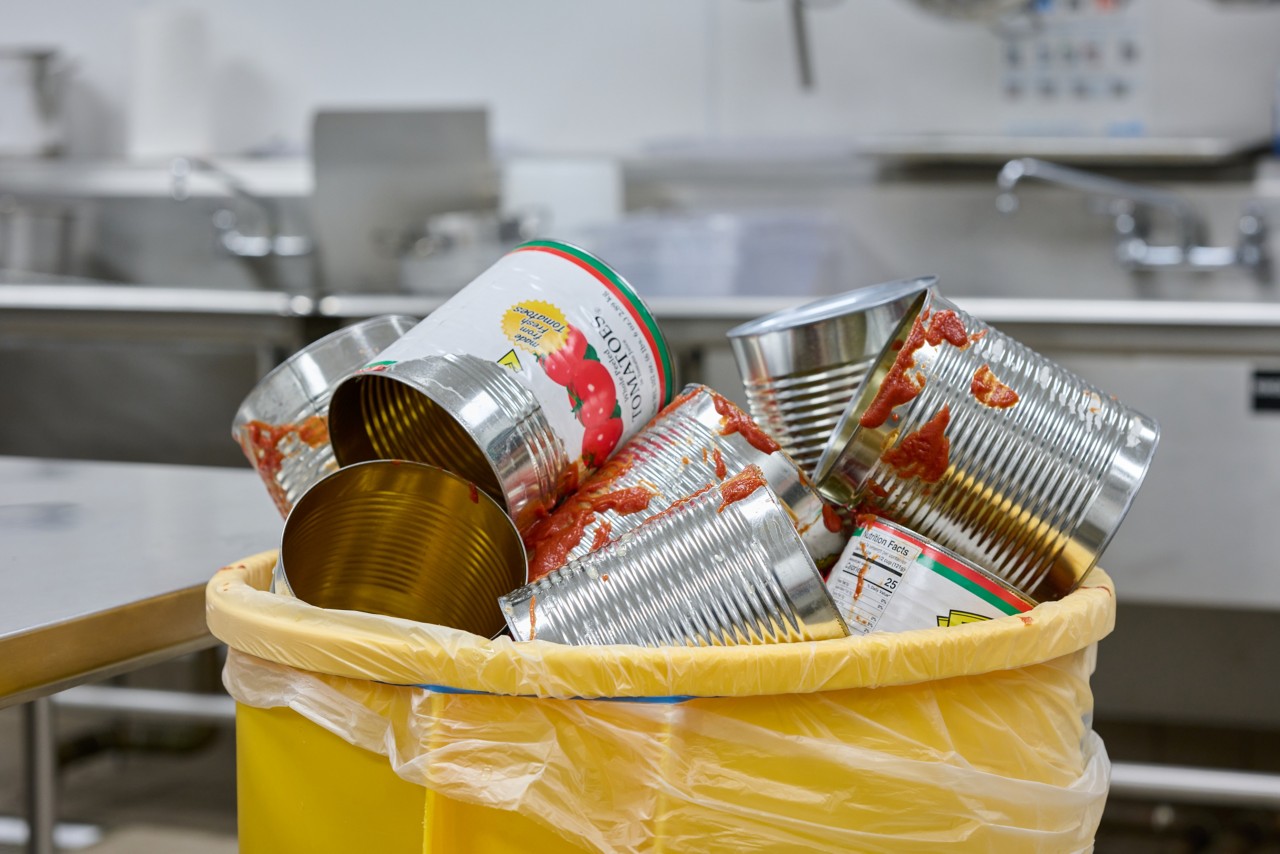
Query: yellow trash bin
point(363, 733)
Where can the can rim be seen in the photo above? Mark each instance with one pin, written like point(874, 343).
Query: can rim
point(264, 385)
point(828, 308)
point(624, 291)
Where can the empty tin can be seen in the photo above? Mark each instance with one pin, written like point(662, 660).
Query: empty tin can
point(402, 539)
point(988, 448)
point(891, 580)
point(720, 568)
point(699, 440)
point(282, 425)
point(547, 323)
point(801, 366)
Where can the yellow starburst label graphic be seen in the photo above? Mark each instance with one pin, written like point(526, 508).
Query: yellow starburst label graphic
point(535, 326)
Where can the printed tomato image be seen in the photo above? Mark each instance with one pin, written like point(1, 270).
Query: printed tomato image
point(561, 364)
point(600, 441)
point(593, 387)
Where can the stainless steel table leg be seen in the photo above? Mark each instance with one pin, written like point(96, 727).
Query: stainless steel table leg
point(42, 775)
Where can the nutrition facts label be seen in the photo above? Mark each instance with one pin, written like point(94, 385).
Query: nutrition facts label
point(868, 576)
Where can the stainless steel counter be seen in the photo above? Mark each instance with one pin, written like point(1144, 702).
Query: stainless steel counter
point(103, 565)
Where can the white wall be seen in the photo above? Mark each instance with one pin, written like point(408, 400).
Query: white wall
point(609, 76)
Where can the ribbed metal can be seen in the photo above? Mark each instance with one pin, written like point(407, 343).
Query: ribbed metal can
point(979, 443)
point(282, 425)
point(698, 441)
point(801, 366)
point(401, 539)
point(890, 579)
point(547, 327)
point(720, 568)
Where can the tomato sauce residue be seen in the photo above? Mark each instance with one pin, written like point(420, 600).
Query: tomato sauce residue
point(604, 577)
point(740, 486)
point(550, 541)
point(734, 420)
point(831, 519)
point(926, 453)
point(898, 387)
point(862, 573)
point(533, 617)
point(722, 471)
point(865, 520)
point(1026, 621)
point(474, 493)
point(603, 531)
point(264, 441)
point(990, 391)
point(877, 490)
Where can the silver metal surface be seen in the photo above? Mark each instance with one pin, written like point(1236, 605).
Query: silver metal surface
point(1193, 785)
point(42, 775)
point(116, 546)
point(686, 449)
point(1131, 206)
point(801, 366)
point(150, 703)
point(282, 424)
point(461, 413)
point(1033, 492)
point(709, 572)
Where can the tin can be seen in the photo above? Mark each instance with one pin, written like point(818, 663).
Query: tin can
point(801, 366)
point(405, 540)
point(282, 425)
point(720, 568)
point(988, 448)
point(890, 579)
point(548, 320)
point(699, 440)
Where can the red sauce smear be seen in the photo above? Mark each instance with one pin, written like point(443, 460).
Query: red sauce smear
point(862, 573)
point(877, 490)
point(264, 442)
point(475, 494)
point(865, 520)
point(533, 617)
point(552, 539)
point(602, 535)
point(604, 577)
point(898, 387)
point(740, 486)
point(990, 391)
point(1026, 621)
point(684, 461)
point(721, 469)
point(831, 519)
point(926, 453)
point(734, 420)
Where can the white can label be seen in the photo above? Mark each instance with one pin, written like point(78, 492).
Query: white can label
point(888, 581)
point(571, 330)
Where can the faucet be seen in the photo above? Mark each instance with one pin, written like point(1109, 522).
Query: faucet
point(272, 244)
point(1132, 206)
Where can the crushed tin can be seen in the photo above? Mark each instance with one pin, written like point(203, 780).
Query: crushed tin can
point(990, 449)
point(282, 425)
point(547, 328)
point(890, 579)
point(699, 440)
point(719, 568)
point(801, 366)
point(401, 539)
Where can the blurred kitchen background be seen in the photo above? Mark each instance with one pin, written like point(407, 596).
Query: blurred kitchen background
point(189, 193)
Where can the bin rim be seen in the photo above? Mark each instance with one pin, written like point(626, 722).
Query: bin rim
point(242, 613)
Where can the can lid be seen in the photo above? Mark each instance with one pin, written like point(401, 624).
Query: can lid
point(623, 290)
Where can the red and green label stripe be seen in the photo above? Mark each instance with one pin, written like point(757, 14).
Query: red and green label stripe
point(976, 582)
point(628, 297)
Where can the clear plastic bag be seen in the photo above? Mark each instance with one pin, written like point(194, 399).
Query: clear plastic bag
point(973, 737)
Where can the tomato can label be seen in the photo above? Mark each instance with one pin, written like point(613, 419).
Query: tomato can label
point(571, 329)
point(890, 580)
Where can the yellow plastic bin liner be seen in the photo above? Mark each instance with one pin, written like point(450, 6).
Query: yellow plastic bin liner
point(968, 738)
